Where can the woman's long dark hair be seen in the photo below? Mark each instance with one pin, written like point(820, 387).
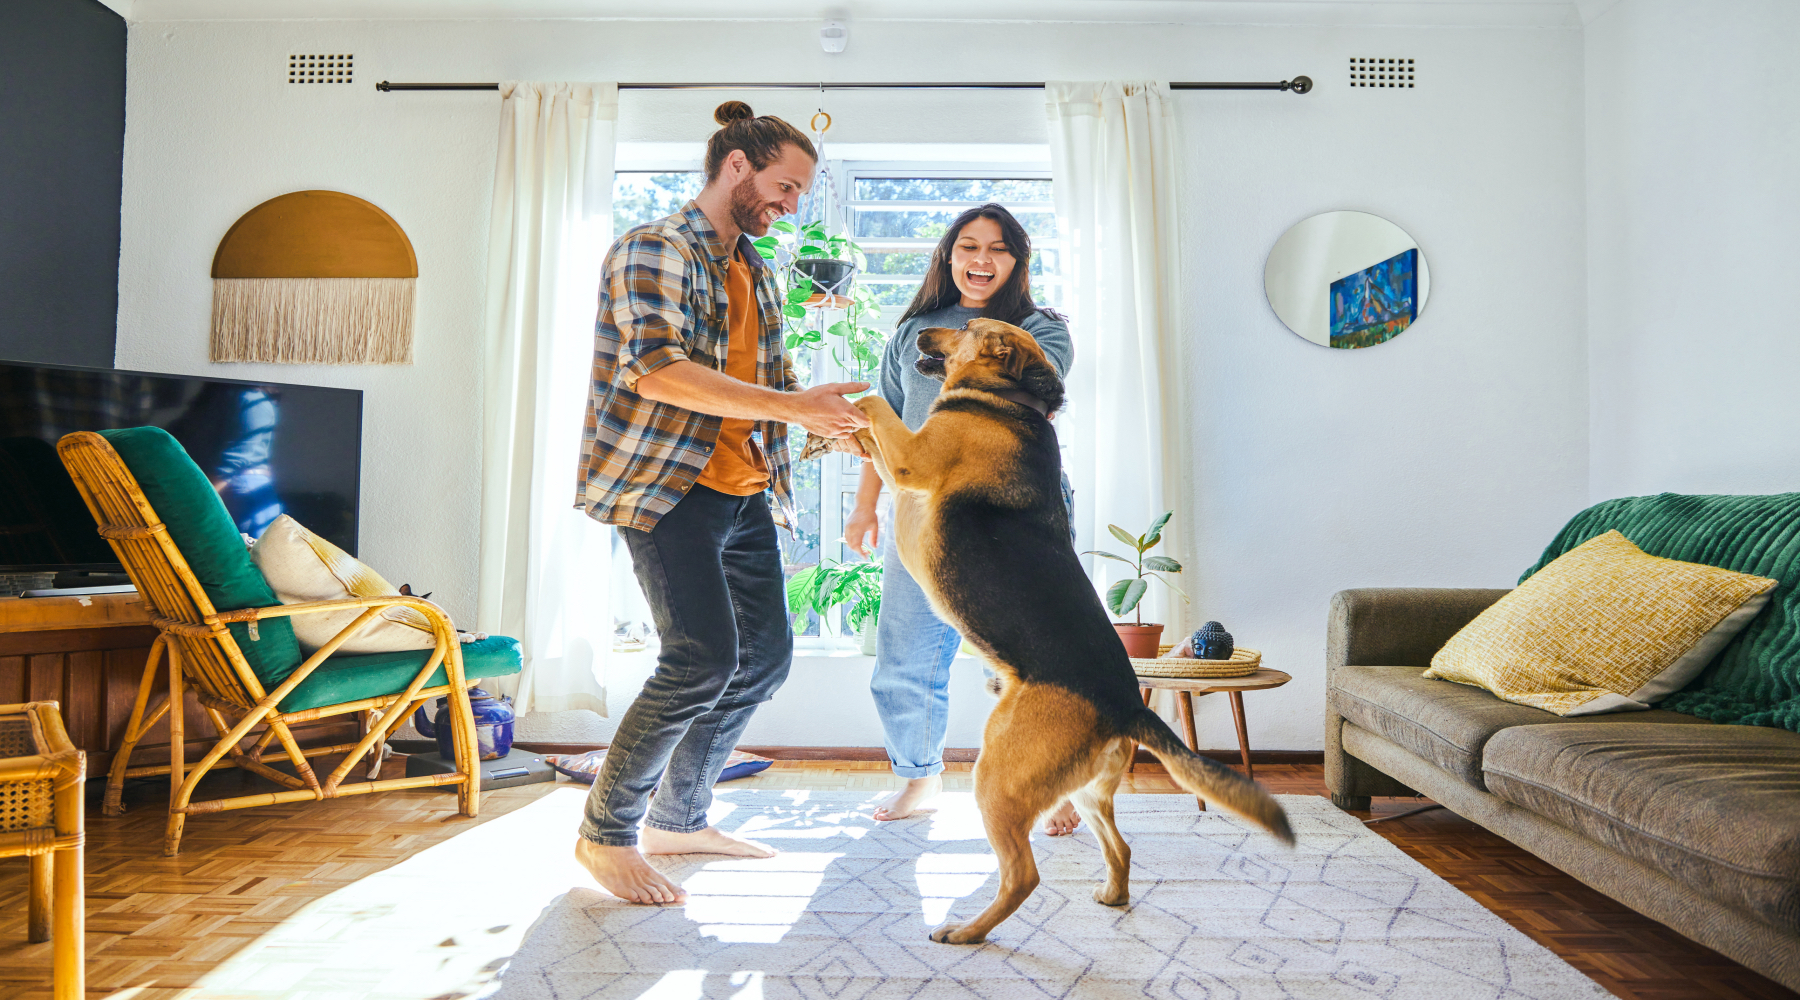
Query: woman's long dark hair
point(1012, 303)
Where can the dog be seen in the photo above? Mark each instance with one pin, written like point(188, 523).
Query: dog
point(979, 521)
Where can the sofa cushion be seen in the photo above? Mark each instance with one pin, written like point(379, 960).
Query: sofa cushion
point(1443, 722)
point(353, 678)
point(1606, 627)
point(1755, 680)
point(1716, 807)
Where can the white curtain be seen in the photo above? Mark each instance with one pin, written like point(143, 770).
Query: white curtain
point(1112, 151)
point(546, 566)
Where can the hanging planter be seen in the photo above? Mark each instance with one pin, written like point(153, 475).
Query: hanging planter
point(818, 273)
point(831, 280)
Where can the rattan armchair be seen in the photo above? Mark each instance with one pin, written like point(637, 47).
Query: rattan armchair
point(201, 654)
point(41, 775)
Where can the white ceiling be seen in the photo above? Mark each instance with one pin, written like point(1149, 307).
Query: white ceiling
point(1540, 13)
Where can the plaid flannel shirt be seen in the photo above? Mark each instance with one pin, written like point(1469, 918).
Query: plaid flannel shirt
point(663, 299)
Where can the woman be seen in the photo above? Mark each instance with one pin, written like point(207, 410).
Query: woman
point(980, 268)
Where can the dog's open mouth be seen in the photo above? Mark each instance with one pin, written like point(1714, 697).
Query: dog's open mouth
point(930, 366)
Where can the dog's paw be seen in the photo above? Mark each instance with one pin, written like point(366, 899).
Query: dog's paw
point(956, 934)
point(816, 447)
point(873, 405)
point(1107, 896)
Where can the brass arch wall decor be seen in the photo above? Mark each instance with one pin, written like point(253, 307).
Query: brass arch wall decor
point(314, 277)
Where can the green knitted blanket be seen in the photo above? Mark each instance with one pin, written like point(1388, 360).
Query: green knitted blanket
point(1755, 681)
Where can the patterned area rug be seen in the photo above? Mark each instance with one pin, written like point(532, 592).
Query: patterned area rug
point(1219, 910)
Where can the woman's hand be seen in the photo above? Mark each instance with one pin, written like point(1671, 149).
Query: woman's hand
point(863, 524)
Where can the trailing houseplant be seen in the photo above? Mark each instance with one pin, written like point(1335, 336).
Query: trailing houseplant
point(854, 586)
point(1141, 639)
point(814, 267)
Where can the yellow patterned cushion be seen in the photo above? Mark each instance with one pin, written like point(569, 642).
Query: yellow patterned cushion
point(1603, 628)
point(303, 567)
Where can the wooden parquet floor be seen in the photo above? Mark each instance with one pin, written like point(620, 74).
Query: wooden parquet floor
point(157, 926)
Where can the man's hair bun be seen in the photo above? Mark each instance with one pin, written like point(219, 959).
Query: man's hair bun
point(761, 139)
point(732, 111)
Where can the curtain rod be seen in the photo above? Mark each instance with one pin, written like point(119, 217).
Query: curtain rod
point(1299, 85)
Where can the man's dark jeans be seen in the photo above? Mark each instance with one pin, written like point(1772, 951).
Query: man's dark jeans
point(711, 572)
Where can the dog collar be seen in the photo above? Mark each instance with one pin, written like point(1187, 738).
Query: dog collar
point(1023, 397)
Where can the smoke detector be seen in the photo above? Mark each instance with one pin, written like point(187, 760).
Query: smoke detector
point(834, 36)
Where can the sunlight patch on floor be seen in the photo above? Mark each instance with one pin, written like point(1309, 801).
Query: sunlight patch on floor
point(440, 924)
point(754, 900)
point(444, 923)
point(945, 878)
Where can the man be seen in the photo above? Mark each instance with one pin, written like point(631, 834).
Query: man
point(689, 372)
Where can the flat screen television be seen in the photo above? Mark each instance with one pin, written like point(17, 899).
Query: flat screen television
point(269, 448)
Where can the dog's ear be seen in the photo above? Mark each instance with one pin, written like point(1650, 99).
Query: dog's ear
point(1041, 381)
point(1012, 359)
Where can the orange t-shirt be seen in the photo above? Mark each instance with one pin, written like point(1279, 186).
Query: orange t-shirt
point(737, 465)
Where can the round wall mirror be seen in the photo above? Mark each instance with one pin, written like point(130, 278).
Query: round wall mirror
point(1346, 279)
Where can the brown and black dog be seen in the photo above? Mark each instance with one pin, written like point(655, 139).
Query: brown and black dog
point(980, 523)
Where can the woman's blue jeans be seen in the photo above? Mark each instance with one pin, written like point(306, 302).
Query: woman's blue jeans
point(911, 685)
point(913, 652)
point(711, 573)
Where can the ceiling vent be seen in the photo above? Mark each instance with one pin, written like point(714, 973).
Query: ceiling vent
point(1381, 72)
point(335, 68)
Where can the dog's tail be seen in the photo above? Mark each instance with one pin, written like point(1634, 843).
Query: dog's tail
point(1212, 781)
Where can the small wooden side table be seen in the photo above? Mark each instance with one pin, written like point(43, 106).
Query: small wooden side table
point(1187, 687)
point(41, 775)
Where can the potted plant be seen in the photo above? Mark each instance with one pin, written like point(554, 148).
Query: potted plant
point(1122, 598)
point(817, 271)
point(857, 586)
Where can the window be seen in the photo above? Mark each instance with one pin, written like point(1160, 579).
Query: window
point(896, 215)
point(641, 196)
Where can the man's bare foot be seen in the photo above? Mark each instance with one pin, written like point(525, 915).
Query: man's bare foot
point(909, 800)
point(623, 872)
point(1063, 821)
point(711, 840)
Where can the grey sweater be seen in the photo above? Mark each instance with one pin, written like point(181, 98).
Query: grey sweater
point(911, 394)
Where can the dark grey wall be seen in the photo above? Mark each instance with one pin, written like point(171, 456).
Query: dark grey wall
point(62, 141)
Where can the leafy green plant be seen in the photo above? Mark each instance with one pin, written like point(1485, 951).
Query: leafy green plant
point(858, 343)
point(832, 584)
point(1123, 597)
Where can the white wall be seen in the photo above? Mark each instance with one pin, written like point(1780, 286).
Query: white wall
point(1446, 457)
point(1693, 148)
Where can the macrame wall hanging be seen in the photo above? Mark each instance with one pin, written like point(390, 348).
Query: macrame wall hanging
point(314, 278)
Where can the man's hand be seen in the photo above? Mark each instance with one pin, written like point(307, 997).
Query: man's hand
point(862, 531)
point(824, 411)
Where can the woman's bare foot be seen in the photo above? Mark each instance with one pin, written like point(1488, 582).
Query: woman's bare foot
point(909, 800)
point(1063, 821)
point(623, 872)
point(711, 840)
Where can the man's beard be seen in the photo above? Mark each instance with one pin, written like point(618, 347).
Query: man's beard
point(747, 208)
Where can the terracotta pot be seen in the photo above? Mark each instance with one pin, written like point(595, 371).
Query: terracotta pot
point(1140, 641)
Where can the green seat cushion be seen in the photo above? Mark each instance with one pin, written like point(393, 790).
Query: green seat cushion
point(372, 675)
point(1755, 680)
point(209, 540)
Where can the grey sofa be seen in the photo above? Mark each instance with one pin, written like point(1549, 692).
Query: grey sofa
point(1692, 824)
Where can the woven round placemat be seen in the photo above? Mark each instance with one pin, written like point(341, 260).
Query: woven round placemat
point(1243, 662)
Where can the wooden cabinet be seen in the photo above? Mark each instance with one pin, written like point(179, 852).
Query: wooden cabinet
point(88, 655)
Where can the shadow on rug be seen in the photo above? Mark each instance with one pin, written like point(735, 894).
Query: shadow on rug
point(1219, 910)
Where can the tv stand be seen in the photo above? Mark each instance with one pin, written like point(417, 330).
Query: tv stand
point(87, 652)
